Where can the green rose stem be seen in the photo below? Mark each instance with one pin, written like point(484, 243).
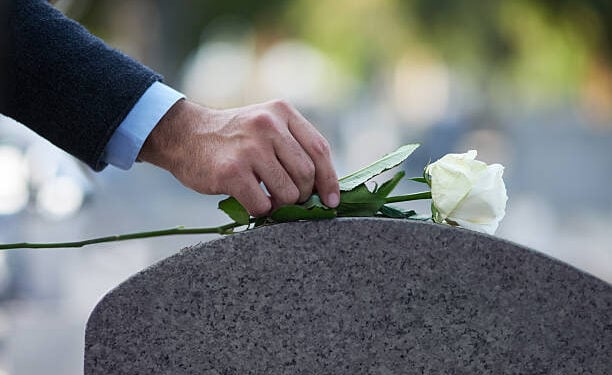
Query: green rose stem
point(223, 229)
point(409, 197)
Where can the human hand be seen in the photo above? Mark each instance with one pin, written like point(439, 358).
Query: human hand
point(232, 151)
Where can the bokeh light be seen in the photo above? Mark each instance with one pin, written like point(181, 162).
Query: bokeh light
point(59, 197)
point(219, 73)
point(14, 191)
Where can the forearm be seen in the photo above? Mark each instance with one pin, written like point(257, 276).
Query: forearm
point(66, 84)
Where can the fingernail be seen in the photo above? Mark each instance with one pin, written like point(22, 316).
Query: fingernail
point(333, 200)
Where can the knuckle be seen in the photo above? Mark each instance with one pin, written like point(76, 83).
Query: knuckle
point(282, 105)
point(306, 174)
point(320, 147)
point(263, 120)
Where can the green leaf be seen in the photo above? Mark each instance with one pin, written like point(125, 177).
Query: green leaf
point(396, 213)
point(386, 188)
point(359, 202)
point(388, 161)
point(262, 220)
point(313, 201)
point(296, 212)
point(235, 210)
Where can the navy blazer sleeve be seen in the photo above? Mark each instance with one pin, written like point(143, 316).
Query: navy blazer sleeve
point(66, 84)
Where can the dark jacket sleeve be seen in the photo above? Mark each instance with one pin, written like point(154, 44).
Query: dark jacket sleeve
point(66, 84)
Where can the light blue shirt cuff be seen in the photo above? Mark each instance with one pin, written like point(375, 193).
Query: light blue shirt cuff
point(125, 144)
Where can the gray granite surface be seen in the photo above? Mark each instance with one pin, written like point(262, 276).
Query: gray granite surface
point(354, 296)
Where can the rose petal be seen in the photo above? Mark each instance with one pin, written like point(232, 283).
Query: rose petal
point(468, 191)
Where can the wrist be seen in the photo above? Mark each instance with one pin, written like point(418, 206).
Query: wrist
point(164, 144)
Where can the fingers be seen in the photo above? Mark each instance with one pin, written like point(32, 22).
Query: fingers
point(317, 148)
point(278, 182)
point(231, 151)
point(305, 154)
point(298, 165)
point(249, 193)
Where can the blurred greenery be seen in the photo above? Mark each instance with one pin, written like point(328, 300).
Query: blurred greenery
point(539, 47)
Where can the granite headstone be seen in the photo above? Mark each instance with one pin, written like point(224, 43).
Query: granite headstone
point(354, 296)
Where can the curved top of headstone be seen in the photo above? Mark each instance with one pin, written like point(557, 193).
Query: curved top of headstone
point(354, 296)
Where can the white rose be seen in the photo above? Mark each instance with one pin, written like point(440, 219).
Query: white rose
point(467, 192)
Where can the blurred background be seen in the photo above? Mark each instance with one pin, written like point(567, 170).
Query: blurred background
point(526, 83)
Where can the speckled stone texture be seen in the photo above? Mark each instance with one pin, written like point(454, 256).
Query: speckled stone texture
point(354, 296)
